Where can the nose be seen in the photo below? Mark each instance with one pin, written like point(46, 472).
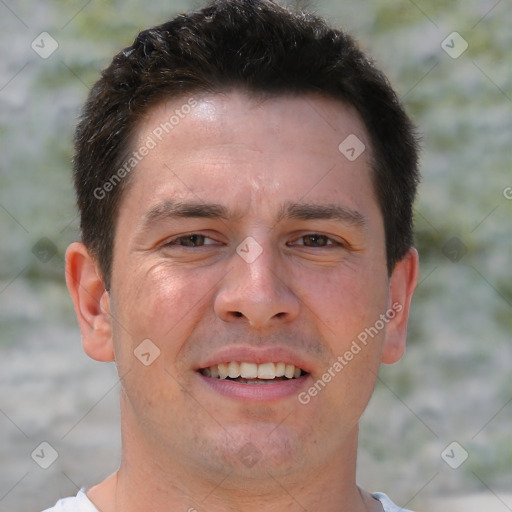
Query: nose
point(256, 292)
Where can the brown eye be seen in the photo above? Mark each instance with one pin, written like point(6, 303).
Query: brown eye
point(316, 240)
point(191, 240)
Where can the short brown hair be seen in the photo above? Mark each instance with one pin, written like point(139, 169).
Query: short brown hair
point(262, 48)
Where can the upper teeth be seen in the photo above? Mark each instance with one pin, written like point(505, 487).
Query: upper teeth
point(252, 370)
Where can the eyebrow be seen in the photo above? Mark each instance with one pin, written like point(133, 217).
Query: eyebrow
point(298, 211)
point(176, 209)
point(312, 211)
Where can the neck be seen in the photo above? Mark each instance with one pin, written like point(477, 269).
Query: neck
point(148, 475)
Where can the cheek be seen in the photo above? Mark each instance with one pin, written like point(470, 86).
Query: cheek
point(347, 307)
point(347, 304)
point(157, 311)
point(160, 304)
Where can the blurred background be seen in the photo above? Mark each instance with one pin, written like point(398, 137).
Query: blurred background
point(439, 425)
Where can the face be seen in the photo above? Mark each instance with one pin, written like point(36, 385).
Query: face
point(248, 242)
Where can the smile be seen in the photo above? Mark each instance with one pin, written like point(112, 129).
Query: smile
point(252, 373)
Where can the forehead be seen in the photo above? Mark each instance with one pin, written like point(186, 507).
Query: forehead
point(251, 148)
point(218, 116)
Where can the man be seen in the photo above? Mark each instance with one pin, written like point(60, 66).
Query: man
point(245, 179)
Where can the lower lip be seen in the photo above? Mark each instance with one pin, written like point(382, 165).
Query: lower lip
point(256, 392)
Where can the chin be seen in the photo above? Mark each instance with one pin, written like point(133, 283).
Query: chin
point(257, 451)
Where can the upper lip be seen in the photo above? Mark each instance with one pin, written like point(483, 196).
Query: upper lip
point(257, 355)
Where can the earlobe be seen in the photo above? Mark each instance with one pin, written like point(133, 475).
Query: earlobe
point(91, 301)
point(402, 284)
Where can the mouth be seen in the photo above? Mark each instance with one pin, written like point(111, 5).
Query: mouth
point(253, 373)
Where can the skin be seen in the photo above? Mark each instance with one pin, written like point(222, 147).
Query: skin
point(181, 439)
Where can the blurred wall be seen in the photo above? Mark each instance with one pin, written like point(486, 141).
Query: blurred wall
point(439, 423)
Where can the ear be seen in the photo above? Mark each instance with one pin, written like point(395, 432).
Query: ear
point(91, 301)
point(402, 284)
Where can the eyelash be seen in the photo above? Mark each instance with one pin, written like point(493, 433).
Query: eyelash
point(175, 242)
point(330, 242)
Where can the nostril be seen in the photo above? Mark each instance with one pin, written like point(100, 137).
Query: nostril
point(238, 314)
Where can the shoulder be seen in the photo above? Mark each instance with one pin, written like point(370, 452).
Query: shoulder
point(387, 504)
point(80, 503)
